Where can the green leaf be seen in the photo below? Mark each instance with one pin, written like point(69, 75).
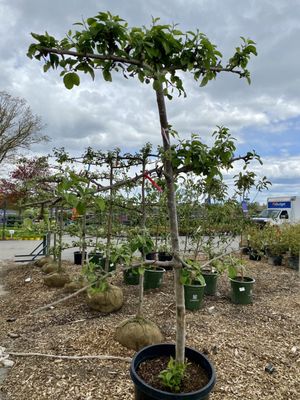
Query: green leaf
point(176, 32)
point(46, 67)
point(100, 203)
point(91, 21)
point(71, 79)
point(71, 199)
point(156, 85)
point(204, 81)
point(81, 208)
point(107, 75)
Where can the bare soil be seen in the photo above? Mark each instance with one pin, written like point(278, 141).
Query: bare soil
point(195, 376)
point(254, 348)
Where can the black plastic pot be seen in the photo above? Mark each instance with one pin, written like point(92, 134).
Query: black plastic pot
point(78, 257)
point(151, 256)
point(293, 262)
point(153, 278)
point(193, 296)
point(241, 290)
point(254, 256)
point(211, 282)
point(164, 256)
point(143, 391)
point(275, 260)
point(96, 258)
point(161, 256)
point(130, 277)
point(111, 266)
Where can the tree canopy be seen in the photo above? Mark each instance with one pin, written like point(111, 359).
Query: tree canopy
point(19, 127)
point(159, 53)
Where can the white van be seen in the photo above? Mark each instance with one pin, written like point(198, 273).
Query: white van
point(280, 210)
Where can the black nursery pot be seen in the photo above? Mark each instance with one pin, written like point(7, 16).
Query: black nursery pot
point(143, 391)
point(161, 256)
point(254, 256)
point(151, 256)
point(78, 257)
point(164, 256)
point(96, 258)
point(293, 262)
point(275, 260)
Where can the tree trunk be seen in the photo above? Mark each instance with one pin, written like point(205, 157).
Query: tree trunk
point(168, 170)
point(109, 221)
point(143, 224)
point(60, 239)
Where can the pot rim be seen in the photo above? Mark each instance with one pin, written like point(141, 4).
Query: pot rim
point(157, 269)
point(247, 281)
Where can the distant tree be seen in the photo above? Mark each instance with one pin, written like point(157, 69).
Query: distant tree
point(19, 128)
point(27, 181)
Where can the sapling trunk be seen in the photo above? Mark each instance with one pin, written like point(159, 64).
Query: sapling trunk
point(171, 198)
point(83, 238)
point(55, 236)
point(60, 233)
point(143, 224)
point(109, 217)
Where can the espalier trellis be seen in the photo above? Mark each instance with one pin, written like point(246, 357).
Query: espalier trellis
point(159, 56)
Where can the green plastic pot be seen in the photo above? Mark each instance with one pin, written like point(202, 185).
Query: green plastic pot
point(193, 295)
point(153, 278)
point(131, 277)
point(211, 282)
point(241, 290)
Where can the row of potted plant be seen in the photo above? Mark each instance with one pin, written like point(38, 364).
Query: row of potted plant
point(274, 242)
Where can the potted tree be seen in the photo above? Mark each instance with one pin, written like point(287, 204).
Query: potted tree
point(291, 239)
point(157, 55)
point(275, 245)
point(194, 285)
point(256, 240)
point(241, 285)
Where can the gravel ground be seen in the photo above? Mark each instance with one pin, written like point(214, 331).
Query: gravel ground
point(240, 340)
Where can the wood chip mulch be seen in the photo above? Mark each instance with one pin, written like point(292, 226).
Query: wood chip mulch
point(254, 348)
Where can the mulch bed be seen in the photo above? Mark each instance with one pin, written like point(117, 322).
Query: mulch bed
point(241, 341)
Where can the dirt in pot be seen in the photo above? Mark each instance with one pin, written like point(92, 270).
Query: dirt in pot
point(195, 377)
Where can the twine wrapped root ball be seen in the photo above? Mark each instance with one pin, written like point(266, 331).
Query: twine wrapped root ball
point(50, 267)
point(111, 299)
point(42, 261)
point(75, 285)
point(56, 280)
point(136, 333)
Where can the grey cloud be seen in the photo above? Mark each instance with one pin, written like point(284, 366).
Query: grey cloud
point(124, 113)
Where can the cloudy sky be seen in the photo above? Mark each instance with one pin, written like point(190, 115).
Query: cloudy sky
point(264, 116)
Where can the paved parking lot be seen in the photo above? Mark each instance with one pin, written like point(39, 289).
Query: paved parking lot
point(10, 248)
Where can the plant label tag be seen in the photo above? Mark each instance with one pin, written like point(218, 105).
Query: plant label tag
point(241, 289)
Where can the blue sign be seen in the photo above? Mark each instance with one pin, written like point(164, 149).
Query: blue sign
point(244, 206)
point(279, 204)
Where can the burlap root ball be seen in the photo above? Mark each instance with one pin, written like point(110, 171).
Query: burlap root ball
point(74, 286)
point(136, 333)
point(42, 261)
point(56, 280)
point(50, 267)
point(108, 301)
